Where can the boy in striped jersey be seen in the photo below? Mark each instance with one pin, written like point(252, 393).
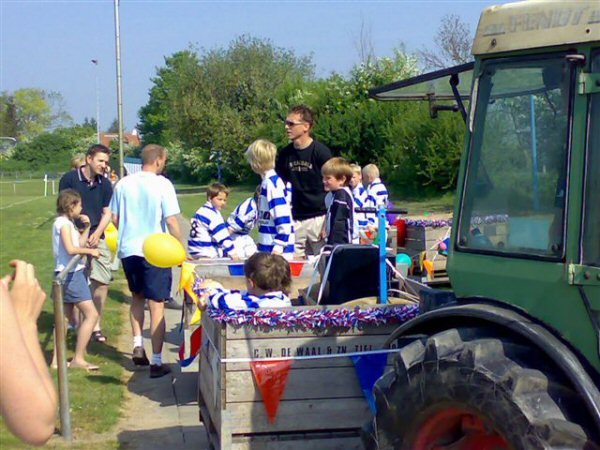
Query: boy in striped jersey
point(268, 281)
point(209, 237)
point(275, 229)
point(377, 193)
point(241, 222)
point(359, 193)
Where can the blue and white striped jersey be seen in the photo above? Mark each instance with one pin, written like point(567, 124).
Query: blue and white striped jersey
point(209, 237)
point(275, 229)
point(360, 199)
point(231, 299)
point(377, 195)
point(243, 218)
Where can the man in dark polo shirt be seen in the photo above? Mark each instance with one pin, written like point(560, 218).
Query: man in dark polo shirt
point(300, 164)
point(96, 191)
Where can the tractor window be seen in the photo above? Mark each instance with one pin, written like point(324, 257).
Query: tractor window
point(591, 218)
point(514, 197)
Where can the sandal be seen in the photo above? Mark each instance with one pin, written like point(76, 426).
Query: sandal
point(87, 367)
point(98, 336)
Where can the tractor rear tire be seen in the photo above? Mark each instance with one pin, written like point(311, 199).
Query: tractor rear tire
point(465, 388)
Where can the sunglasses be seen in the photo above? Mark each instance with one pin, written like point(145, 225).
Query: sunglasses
point(289, 123)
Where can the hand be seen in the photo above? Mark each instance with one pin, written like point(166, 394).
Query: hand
point(203, 302)
point(26, 294)
point(85, 220)
point(93, 240)
point(234, 257)
point(95, 253)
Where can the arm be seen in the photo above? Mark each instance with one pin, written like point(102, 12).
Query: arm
point(65, 237)
point(27, 398)
point(281, 167)
point(226, 299)
point(104, 221)
point(280, 211)
point(218, 231)
point(84, 235)
point(173, 226)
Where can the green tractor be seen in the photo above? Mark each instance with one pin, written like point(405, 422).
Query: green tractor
point(510, 359)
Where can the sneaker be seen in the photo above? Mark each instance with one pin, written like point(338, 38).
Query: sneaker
point(157, 371)
point(139, 356)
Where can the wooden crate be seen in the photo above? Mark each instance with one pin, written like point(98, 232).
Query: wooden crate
point(323, 406)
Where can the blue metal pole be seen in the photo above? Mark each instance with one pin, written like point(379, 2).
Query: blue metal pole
point(381, 213)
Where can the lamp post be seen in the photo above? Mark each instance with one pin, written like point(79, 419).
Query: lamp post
point(95, 62)
point(119, 89)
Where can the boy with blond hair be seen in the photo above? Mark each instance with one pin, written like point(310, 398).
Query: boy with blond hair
point(209, 236)
point(341, 223)
point(359, 193)
point(275, 229)
point(377, 193)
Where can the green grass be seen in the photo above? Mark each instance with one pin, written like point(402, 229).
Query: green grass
point(25, 233)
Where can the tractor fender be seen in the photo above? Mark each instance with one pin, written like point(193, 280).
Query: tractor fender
point(515, 324)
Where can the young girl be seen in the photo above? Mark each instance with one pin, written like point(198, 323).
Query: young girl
point(275, 229)
point(67, 242)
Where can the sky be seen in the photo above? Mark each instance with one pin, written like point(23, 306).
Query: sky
point(51, 44)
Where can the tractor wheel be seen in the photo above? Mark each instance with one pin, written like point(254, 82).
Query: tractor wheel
point(462, 389)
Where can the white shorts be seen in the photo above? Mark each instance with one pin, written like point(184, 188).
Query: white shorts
point(244, 245)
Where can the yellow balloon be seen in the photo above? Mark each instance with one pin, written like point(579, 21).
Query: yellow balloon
point(163, 250)
point(111, 237)
point(111, 228)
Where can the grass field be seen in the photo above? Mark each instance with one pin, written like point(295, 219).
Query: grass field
point(25, 233)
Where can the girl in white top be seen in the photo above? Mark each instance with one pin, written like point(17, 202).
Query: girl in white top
point(67, 242)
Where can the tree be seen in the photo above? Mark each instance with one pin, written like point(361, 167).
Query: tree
point(114, 127)
point(452, 44)
point(28, 112)
point(219, 100)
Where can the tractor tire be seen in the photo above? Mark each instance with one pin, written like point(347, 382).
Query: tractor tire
point(467, 389)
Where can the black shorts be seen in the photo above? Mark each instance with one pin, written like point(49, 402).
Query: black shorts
point(144, 278)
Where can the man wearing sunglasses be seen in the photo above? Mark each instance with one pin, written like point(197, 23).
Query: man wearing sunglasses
point(299, 163)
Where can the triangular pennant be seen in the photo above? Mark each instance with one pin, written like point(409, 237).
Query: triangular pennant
point(188, 353)
point(368, 370)
point(196, 318)
point(187, 275)
point(271, 376)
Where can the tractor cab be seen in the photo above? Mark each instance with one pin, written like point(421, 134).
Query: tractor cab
point(524, 259)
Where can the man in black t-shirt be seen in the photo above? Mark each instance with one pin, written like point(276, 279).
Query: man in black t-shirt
point(96, 191)
point(299, 163)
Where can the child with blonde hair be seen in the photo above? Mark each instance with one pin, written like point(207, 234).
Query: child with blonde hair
point(359, 193)
point(275, 229)
point(377, 193)
point(67, 242)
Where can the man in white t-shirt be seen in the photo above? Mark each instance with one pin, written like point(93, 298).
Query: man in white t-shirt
point(143, 204)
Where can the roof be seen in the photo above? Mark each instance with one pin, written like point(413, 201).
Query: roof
point(432, 85)
point(535, 24)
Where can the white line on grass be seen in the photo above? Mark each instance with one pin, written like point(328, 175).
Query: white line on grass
point(21, 202)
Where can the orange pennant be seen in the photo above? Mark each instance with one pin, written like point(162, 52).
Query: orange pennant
point(271, 376)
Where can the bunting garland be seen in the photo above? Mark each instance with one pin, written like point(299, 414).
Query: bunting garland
point(315, 319)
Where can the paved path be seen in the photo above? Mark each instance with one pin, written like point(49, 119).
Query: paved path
point(160, 413)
